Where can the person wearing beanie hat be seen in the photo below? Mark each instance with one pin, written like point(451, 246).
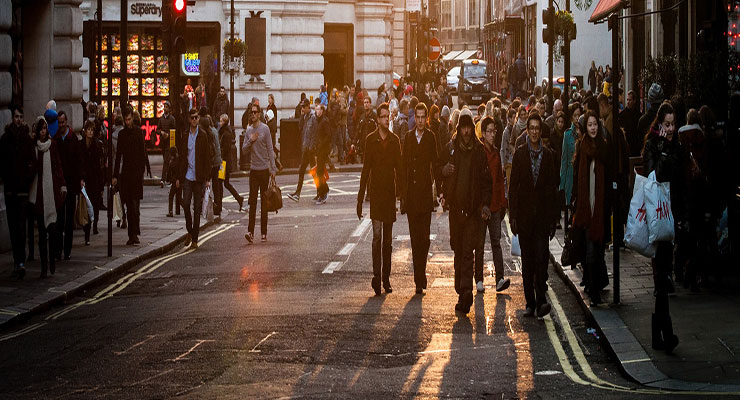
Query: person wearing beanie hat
point(421, 170)
point(655, 96)
point(467, 192)
point(533, 213)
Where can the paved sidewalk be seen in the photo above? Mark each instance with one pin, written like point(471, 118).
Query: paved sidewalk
point(708, 355)
point(90, 265)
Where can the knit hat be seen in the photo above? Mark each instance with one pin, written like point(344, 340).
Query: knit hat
point(203, 112)
point(655, 94)
point(51, 118)
point(445, 112)
point(466, 118)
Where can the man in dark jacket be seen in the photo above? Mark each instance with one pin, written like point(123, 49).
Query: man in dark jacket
point(17, 161)
point(325, 127)
point(654, 98)
point(221, 105)
point(309, 130)
point(629, 119)
point(166, 122)
point(195, 175)
point(70, 151)
point(132, 150)
point(467, 191)
point(367, 123)
point(533, 214)
point(383, 162)
point(421, 168)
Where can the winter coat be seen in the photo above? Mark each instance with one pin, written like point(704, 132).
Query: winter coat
point(325, 130)
point(203, 160)
point(57, 176)
point(17, 159)
point(608, 162)
point(498, 193)
point(532, 205)
point(383, 163)
point(220, 106)
point(70, 151)
point(401, 126)
point(165, 124)
point(566, 163)
point(132, 150)
point(228, 147)
point(93, 165)
point(173, 169)
point(309, 134)
point(420, 167)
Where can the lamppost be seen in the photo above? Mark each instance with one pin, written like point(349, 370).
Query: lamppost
point(231, 73)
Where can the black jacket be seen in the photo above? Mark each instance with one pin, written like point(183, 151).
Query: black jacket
point(70, 151)
point(220, 106)
point(667, 159)
point(480, 178)
point(324, 135)
point(629, 120)
point(384, 164)
point(203, 161)
point(17, 159)
point(132, 150)
point(165, 124)
point(421, 167)
point(93, 165)
point(228, 146)
point(533, 207)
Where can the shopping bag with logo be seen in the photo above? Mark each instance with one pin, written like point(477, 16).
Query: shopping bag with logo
point(273, 197)
point(90, 210)
point(207, 209)
point(658, 210)
point(117, 207)
point(637, 236)
point(516, 250)
point(81, 216)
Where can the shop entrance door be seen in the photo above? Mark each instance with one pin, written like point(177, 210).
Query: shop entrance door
point(338, 55)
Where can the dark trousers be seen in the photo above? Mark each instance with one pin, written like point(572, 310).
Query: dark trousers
point(96, 198)
point(66, 224)
point(661, 270)
point(47, 235)
point(217, 185)
point(133, 215)
point(307, 158)
point(165, 161)
point(493, 228)
point(193, 191)
point(31, 229)
point(258, 181)
point(419, 224)
point(323, 188)
point(232, 190)
point(382, 239)
point(176, 195)
point(467, 238)
point(535, 257)
point(16, 213)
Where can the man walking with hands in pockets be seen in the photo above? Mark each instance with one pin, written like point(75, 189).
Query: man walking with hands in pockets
point(383, 162)
point(259, 145)
point(195, 170)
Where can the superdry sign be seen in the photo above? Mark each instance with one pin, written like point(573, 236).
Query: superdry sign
point(144, 11)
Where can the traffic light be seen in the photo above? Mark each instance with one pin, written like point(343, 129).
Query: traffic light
point(179, 18)
point(548, 19)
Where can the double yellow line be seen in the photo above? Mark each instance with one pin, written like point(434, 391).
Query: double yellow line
point(121, 283)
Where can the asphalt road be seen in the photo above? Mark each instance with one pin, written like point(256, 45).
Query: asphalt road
point(296, 317)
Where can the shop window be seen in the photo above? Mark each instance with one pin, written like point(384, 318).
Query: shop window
point(133, 42)
point(133, 86)
point(147, 64)
point(147, 109)
point(132, 67)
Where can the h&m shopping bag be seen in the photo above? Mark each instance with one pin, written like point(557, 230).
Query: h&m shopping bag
point(658, 210)
point(637, 236)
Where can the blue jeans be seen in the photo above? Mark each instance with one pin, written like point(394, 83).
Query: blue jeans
point(193, 190)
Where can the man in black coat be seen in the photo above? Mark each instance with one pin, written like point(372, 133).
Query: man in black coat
point(195, 175)
point(17, 161)
point(467, 191)
point(421, 168)
point(533, 214)
point(629, 119)
point(70, 151)
point(132, 150)
point(383, 162)
point(221, 104)
point(166, 122)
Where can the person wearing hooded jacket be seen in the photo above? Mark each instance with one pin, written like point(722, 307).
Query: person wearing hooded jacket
point(467, 192)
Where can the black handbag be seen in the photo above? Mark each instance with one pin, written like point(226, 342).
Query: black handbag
point(572, 248)
point(273, 197)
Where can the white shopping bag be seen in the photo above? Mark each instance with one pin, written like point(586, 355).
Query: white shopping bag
point(90, 210)
point(516, 250)
point(117, 208)
point(207, 211)
point(636, 237)
point(658, 210)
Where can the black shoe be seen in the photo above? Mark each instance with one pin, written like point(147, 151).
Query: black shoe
point(240, 201)
point(124, 225)
point(66, 257)
point(95, 230)
point(136, 240)
point(529, 312)
point(543, 310)
point(169, 214)
point(657, 341)
point(250, 237)
point(595, 297)
point(669, 339)
point(130, 242)
point(375, 283)
point(188, 239)
point(387, 287)
point(19, 271)
point(52, 267)
point(295, 197)
point(419, 290)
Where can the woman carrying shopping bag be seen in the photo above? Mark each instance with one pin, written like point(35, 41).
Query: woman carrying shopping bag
point(47, 194)
point(662, 154)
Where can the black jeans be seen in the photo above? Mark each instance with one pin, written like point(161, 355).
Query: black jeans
point(47, 234)
point(176, 195)
point(493, 228)
point(419, 224)
point(467, 240)
point(217, 185)
point(307, 158)
point(133, 216)
point(323, 188)
point(232, 190)
point(382, 249)
point(96, 198)
point(193, 191)
point(258, 181)
point(66, 224)
point(535, 257)
point(16, 207)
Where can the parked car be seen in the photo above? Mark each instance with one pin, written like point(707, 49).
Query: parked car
point(452, 78)
point(473, 86)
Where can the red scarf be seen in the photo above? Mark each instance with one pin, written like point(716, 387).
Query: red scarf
point(583, 219)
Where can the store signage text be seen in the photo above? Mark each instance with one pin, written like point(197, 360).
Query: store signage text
point(145, 11)
point(191, 64)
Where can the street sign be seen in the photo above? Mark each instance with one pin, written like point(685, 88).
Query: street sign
point(435, 49)
point(479, 54)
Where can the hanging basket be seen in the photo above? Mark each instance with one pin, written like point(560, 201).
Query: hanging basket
point(234, 55)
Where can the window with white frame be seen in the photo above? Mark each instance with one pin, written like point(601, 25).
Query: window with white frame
point(460, 14)
point(446, 21)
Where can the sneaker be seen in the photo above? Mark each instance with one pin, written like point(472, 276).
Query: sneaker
point(294, 196)
point(124, 225)
point(188, 239)
point(217, 219)
point(193, 246)
point(543, 310)
point(264, 238)
point(529, 312)
point(321, 200)
point(161, 184)
point(502, 284)
point(250, 237)
point(479, 286)
point(87, 242)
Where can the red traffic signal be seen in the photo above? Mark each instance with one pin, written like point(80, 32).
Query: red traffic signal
point(179, 5)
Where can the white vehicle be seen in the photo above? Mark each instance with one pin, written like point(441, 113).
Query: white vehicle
point(452, 79)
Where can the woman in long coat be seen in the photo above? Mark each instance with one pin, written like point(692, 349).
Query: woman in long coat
point(92, 151)
point(132, 150)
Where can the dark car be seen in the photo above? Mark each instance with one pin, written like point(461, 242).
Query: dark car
point(474, 87)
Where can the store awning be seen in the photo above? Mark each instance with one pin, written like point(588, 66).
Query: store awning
point(605, 8)
point(465, 55)
point(451, 55)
